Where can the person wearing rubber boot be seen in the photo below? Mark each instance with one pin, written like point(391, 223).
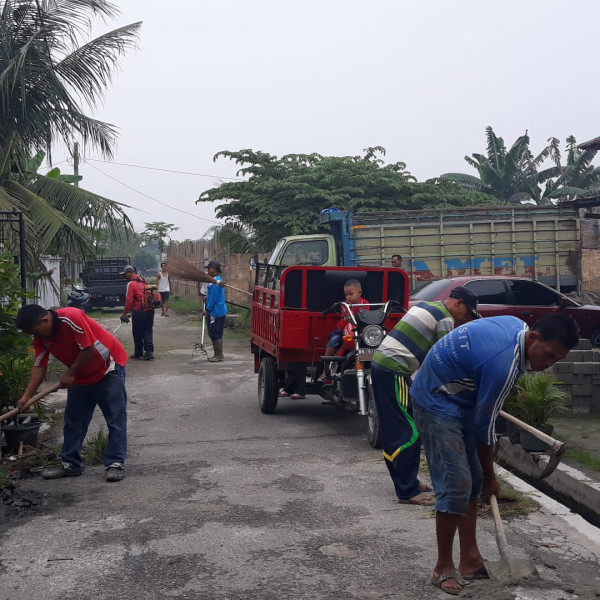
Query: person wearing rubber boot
point(457, 395)
point(95, 375)
point(398, 357)
point(215, 310)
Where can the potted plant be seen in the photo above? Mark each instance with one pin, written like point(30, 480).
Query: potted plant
point(535, 399)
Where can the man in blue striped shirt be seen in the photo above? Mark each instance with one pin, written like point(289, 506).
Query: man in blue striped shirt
point(457, 395)
point(397, 358)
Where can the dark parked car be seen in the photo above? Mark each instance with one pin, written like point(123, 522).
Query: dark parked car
point(518, 296)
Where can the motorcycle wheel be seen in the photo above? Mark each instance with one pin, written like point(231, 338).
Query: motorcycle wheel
point(372, 421)
point(268, 386)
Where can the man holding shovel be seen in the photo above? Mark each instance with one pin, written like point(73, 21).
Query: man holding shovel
point(457, 395)
point(95, 376)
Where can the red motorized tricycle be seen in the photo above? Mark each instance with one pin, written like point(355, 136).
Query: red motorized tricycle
point(294, 310)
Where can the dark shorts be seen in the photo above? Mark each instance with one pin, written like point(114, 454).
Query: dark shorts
point(451, 453)
point(335, 340)
point(164, 295)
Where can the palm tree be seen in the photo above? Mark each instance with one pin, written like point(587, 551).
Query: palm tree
point(509, 174)
point(47, 79)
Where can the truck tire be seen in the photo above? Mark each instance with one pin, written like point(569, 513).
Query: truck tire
point(268, 387)
point(372, 421)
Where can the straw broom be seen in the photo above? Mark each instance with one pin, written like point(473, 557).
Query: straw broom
point(180, 268)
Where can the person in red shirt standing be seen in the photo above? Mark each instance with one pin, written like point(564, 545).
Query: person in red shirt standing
point(142, 319)
point(95, 376)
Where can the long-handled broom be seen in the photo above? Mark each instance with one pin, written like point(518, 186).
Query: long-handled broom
point(180, 268)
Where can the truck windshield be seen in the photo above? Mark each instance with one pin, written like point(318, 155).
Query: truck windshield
point(300, 252)
point(431, 291)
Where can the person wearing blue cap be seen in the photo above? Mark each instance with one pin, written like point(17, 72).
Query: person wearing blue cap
point(215, 310)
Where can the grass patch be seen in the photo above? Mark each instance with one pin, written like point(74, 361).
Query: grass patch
point(585, 458)
point(93, 450)
point(184, 306)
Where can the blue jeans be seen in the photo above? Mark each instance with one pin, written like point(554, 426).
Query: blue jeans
point(451, 451)
point(111, 396)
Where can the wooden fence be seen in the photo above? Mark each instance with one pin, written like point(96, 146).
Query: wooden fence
point(237, 269)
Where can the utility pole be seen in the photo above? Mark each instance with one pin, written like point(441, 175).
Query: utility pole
point(76, 161)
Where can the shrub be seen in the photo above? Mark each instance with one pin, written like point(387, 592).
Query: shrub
point(536, 398)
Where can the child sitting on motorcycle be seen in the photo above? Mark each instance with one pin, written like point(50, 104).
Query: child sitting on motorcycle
point(353, 295)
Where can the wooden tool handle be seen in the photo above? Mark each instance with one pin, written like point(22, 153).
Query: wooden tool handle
point(236, 289)
point(32, 400)
point(554, 444)
point(500, 535)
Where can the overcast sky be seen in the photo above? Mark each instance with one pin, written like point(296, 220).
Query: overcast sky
point(423, 79)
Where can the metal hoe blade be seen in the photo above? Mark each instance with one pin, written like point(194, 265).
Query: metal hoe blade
point(557, 448)
point(508, 568)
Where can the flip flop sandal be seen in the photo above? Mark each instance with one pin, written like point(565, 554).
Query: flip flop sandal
point(425, 487)
point(297, 397)
point(437, 581)
point(283, 395)
point(421, 502)
point(481, 573)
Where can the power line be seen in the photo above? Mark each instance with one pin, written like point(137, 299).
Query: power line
point(154, 199)
point(165, 170)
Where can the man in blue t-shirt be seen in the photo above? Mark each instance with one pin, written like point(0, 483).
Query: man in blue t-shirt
point(457, 395)
point(215, 310)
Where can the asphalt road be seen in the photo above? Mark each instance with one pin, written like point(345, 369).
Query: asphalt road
point(220, 501)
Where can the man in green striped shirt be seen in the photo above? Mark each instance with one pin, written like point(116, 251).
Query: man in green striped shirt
point(396, 360)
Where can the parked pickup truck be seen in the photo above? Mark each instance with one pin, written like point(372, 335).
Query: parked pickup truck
point(546, 243)
point(104, 281)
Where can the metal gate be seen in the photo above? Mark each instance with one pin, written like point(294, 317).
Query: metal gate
point(12, 238)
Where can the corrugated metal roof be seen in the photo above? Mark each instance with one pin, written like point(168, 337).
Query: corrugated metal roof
point(590, 145)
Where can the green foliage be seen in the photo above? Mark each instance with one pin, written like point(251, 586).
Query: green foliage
point(536, 398)
point(283, 196)
point(15, 356)
point(585, 458)
point(159, 231)
point(14, 377)
point(513, 174)
point(47, 81)
point(184, 306)
point(93, 450)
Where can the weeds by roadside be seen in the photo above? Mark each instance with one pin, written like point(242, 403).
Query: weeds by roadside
point(585, 458)
point(93, 449)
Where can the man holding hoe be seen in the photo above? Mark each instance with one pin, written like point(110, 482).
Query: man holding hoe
point(457, 395)
point(95, 375)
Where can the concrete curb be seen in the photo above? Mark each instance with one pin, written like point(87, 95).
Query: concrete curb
point(567, 485)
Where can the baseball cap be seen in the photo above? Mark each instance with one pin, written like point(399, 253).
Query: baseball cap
point(127, 269)
point(468, 297)
point(215, 264)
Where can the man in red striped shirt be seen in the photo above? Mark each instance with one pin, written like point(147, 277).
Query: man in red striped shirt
point(95, 375)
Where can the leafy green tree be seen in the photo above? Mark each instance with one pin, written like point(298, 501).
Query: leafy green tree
point(509, 174)
point(283, 196)
point(515, 174)
point(577, 177)
point(47, 80)
point(159, 231)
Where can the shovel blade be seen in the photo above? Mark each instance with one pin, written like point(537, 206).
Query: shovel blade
point(511, 569)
